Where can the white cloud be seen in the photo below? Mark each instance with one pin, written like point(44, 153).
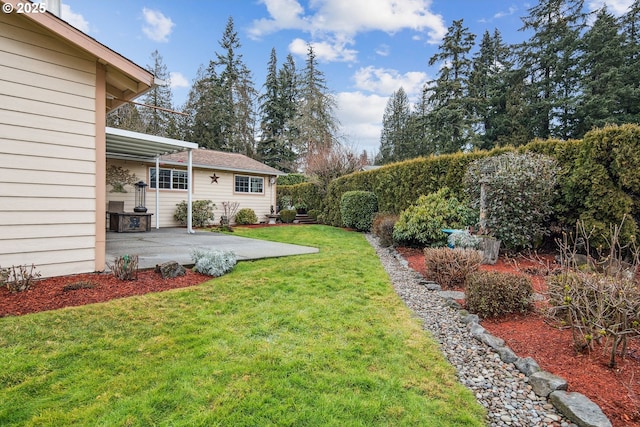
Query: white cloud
point(337, 22)
point(361, 115)
point(324, 51)
point(73, 18)
point(616, 7)
point(178, 80)
point(158, 27)
point(509, 12)
point(383, 50)
point(386, 81)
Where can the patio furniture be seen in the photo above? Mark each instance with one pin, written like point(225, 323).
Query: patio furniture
point(130, 222)
point(113, 207)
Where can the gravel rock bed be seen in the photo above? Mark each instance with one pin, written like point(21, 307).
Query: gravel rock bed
point(500, 387)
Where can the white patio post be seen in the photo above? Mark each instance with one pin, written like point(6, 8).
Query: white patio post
point(189, 187)
point(157, 192)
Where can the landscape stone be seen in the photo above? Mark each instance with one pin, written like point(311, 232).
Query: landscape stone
point(493, 342)
point(506, 354)
point(527, 365)
point(544, 383)
point(170, 269)
point(579, 409)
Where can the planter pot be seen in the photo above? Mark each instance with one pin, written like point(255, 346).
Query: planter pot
point(490, 248)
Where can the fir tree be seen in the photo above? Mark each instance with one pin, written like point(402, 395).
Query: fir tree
point(550, 60)
point(315, 123)
point(450, 117)
point(157, 121)
point(602, 88)
point(394, 141)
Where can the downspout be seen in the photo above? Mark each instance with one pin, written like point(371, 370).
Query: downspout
point(189, 196)
point(157, 192)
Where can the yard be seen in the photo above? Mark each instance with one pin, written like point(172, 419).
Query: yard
point(316, 339)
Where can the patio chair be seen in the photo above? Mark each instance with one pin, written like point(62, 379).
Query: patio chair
point(114, 207)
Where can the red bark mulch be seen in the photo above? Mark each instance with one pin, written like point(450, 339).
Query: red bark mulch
point(616, 391)
point(50, 294)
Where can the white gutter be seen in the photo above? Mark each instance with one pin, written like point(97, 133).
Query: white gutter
point(189, 196)
point(157, 192)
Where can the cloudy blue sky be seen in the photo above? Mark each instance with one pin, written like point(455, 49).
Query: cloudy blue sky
point(367, 49)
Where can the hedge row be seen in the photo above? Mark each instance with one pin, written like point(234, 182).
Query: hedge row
point(307, 193)
point(599, 179)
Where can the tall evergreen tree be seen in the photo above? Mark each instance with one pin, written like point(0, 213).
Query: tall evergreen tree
point(631, 67)
point(157, 121)
point(127, 116)
point(489, 89)
point(275, 111)
point(602, 87)
point(315, 124)
point(450, 117)
point(394, 143)
point(550, 60)
point(221, 101)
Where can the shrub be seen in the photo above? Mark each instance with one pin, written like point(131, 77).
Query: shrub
point(515, 191)
point(213, 262)
point(18, 278)
point(313, 214)
point(421, 224)
point(201, 212)
point(383, 228)
point(598, 308)
point(125, 267)
point(287, 215)
point(494, 294)
point(246, 216)
point(357, 209)
point(464, 240)
point(450, 267)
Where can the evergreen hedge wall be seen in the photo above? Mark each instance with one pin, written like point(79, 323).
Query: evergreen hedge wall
point(599, 179)
point(308, 193)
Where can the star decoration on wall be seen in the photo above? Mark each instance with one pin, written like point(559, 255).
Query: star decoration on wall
point(214, 178)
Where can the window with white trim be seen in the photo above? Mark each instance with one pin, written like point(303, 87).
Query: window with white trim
point(168, 179)
point(249, 184)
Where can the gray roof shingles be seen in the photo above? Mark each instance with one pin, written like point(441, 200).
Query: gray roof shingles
point(212, 159)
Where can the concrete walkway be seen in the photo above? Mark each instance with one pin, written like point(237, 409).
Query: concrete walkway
point(175, 244)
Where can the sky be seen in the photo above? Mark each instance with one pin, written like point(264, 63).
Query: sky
point(367, 49)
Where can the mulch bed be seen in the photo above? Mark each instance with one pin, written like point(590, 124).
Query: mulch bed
point(615, 390)
point(80, 289)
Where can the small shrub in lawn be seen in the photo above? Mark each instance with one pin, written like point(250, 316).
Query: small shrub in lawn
point(201, 212)
point(246, 216)
point(125, 267)
point(357, 209)
point(383, 228)
point(18, 278)
point(450, 267)
point(313, 214)
point(287, 215)
point(494, 294)
point(213, 262)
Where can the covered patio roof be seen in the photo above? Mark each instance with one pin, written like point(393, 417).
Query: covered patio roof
point(125, 144)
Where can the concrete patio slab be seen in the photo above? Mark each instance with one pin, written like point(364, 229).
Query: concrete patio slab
point(175, 244)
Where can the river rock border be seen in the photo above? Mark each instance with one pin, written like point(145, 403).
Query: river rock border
point(514, 390)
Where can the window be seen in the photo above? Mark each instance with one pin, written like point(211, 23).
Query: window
point(249, 184)
point(170, 179)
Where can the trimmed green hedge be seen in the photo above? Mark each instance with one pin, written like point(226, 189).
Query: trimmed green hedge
point(307, 193)
point(357, 209)
point(598, 178)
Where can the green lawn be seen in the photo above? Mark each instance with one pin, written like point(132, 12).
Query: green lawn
point(309, 340)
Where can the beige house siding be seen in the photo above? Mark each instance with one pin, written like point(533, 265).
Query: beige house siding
point(47, 151)
point(203, 189)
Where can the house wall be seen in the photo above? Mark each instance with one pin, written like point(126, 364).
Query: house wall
point(203, 189)
point(47, 151)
